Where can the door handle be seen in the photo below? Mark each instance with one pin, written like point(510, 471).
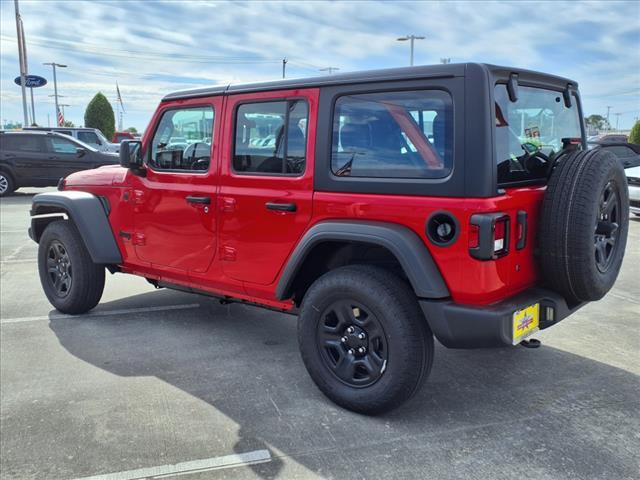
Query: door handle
point(281, 207)
point(202, 200)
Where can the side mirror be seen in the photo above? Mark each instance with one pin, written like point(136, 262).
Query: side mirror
point(81, 151)
point(131, 155)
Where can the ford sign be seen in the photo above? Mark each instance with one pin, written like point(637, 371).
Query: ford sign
point(32, 81)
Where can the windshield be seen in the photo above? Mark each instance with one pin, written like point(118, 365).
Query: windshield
point(529, 131)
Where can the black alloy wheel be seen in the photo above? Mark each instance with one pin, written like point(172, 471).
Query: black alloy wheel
point(59, 269)
point(352, 343)
point(606, 228)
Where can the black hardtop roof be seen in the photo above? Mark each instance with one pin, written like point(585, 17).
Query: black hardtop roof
point(389, 74)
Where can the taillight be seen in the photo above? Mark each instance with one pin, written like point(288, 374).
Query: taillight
point(500, 236)
point(474, 236)
point(489, 235)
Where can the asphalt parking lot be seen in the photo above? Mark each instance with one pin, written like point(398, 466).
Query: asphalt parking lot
point(155, 378)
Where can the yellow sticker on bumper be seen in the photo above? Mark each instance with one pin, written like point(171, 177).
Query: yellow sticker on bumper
point(525, 322)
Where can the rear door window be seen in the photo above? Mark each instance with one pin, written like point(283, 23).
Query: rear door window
point(406, 134)
point(271, 138)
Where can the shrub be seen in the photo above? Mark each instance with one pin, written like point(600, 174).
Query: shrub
point(634, 136)
point(99, 114)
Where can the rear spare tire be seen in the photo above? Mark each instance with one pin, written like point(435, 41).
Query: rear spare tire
point(584, 224)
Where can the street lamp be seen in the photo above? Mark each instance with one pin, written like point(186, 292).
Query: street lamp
point(411, 38)
point(55, 87)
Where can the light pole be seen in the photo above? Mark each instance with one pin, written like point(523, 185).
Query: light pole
point(411, 38)
point(22, 55)
point(328, 69)
point(55, 86)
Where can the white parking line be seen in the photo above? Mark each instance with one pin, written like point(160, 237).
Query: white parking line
point(101, 313)
point(24, 260)
point(185, 468)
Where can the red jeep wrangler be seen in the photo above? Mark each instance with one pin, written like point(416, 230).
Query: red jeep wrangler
point(381, 207)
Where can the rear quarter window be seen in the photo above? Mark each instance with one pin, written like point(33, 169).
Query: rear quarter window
point(403, 134)
point(21, 143)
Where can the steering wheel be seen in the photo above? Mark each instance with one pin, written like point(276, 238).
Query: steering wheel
point(201, 163)
point(533, 158)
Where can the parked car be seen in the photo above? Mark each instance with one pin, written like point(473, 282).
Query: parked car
point(633, 180)
point(605, 139)
point(119, 136)
point(627, 153)
point(90, 136)
point(377, 238)
point(41, 159)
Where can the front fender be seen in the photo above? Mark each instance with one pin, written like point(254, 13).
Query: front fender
point(89, 215)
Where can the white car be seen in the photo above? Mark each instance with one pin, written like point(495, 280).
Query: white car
point(633, 179)
point(90, 136)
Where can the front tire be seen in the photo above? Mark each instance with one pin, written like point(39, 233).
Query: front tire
point(70, 280)
point(364, 339)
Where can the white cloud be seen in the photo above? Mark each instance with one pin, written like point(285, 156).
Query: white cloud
point(152, 48)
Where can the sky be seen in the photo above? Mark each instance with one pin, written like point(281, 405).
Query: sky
point(154, 47)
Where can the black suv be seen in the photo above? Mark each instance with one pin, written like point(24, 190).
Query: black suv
point(40, 159)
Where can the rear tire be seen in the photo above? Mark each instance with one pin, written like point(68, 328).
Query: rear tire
point(70, 280)
point(387, 323)
point(7, 184)
point(584, 224)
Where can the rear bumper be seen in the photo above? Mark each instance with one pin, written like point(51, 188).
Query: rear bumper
point(467, 326)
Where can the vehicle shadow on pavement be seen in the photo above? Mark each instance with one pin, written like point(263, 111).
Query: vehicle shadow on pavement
point(542, 410)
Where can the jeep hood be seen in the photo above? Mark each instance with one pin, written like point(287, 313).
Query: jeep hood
point(107, 175)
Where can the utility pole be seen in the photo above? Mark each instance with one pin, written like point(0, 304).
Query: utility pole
point(284, 66)
point(411, 38)
point(22, 55)
point(55, 86)
point(608, 124)
point(617, 120)
point(329, 69)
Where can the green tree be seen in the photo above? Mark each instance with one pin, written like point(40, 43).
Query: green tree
point(68, 123)
point(596, 122)
point(634, 136)
point(99, 114)
point(132, 130)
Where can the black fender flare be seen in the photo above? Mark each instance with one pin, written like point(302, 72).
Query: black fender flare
point(88, 214)
point(410, 251)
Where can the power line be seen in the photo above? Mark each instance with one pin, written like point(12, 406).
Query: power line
point(162, 56)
